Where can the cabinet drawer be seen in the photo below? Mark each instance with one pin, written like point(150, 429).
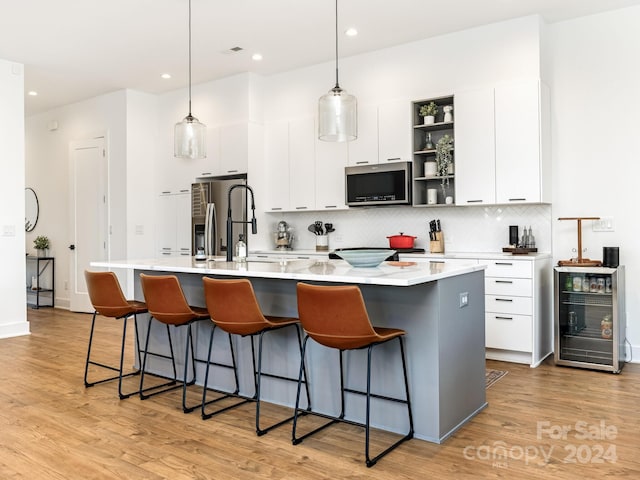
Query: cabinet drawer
point(508, 332)
point(508, 268)
point(507, 304)
point(519, 287)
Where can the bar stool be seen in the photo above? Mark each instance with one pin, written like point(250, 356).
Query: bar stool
point(167, 304)
point(108, 300)
point(233, 308)
point(336, 317)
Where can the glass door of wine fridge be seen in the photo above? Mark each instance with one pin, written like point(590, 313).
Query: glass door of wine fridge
point(590, 317)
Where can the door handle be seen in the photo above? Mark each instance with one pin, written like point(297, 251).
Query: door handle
point(72, 247)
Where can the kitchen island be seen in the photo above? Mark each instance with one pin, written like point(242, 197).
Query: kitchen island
point(440, 306)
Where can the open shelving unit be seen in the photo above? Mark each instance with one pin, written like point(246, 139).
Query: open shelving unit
point(421, 132)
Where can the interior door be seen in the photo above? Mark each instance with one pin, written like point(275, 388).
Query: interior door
point(89, 220)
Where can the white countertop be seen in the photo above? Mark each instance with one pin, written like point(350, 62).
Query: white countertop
point(299, 269)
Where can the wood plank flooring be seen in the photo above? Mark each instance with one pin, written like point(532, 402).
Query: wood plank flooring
point(51, 427)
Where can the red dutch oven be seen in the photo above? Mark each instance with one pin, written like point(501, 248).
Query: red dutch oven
point(401, 241)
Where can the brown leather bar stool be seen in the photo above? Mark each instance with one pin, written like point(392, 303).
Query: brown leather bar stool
point(233, 308)
point(336, 317)
point(108, 300)
point(167, 304)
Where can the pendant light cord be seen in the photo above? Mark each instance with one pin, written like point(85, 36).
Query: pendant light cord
point(190, 59)
point(337, 84)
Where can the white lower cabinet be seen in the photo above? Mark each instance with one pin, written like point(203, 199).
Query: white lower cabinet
point(174, 224)
point(518, 307)
point(518, 321)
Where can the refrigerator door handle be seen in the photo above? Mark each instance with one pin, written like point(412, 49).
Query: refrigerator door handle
point(210, 233)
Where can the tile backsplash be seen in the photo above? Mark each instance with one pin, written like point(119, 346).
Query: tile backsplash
point(466, 229)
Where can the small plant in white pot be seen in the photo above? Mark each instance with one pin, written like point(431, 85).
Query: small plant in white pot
point(41, 244)
point(429, 111)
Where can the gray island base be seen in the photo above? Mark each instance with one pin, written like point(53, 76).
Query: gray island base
point(444, 341)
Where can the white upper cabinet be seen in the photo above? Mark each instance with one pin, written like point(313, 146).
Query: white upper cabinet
point(522, 143)
point(331, 158)
point(364, 149)
point(234, 149)
point(302, 135)
point(475, 147)
point(277, 171)
point(384, 134)
point(394, 132)
point(228, 148)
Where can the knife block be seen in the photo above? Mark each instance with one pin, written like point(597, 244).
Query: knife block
point(437, 245)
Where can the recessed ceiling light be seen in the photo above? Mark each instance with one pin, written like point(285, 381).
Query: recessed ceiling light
point(351, 32)
point(165, 76)
point(256, 56)
point(32, 93)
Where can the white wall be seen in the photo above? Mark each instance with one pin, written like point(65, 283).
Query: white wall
point(47, 172)
point(13, 320)
point(594, 80)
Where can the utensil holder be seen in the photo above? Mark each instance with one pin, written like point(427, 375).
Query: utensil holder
point(322, 243)
point(437, 245)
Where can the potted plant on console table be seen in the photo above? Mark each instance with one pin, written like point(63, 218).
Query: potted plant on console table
point(41, 244)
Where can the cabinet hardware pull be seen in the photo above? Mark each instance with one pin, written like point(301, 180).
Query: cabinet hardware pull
point(362, 162)
point(304, 258)
point(517, 199)
point(393, 159)
point(166, 192)
point(436, 261)
point(276, 208)
point(301, 208)
point(232, 171)
point(330, 206)
point(504, 281)
point(503, 318)
point(474, 201)
point(504, 300)
point(166, 248)
point(206, 174)
point(503, 263)
point(184, 191)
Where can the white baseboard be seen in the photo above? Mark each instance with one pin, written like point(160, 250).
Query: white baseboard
point(16, 329)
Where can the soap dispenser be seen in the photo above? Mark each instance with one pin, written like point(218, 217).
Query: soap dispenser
point(241, 250)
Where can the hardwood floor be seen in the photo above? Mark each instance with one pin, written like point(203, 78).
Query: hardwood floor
point(51, 427)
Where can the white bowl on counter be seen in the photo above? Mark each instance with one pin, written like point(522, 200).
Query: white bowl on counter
point(365, 258)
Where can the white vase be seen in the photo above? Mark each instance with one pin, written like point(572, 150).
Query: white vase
point(429, 119)
point(448, 115)
point(430, 169)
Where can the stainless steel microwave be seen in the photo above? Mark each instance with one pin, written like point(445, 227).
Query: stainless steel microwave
point(379, 184)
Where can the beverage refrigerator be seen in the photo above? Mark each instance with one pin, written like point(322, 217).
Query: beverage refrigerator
point(590, 317)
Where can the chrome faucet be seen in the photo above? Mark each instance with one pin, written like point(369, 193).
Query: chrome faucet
point(230, 221)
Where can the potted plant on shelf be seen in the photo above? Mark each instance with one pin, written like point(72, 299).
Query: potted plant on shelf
point(444, 158)
point(41, 244)
point(429, 111)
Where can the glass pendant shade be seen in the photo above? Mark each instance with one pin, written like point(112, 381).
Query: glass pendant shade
point(189, 136)
point(337, 116)
point(190, 139)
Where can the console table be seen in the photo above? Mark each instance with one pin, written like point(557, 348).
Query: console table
point(44, 274)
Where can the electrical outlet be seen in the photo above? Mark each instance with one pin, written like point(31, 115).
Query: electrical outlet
point(464, 299)
point(605, 224)
point(8, 230)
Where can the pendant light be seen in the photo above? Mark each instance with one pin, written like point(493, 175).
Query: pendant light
point(337, 110)
point(189, 134)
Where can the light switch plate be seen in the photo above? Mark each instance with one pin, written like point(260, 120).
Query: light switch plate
point(464, 299)
point(605, 224)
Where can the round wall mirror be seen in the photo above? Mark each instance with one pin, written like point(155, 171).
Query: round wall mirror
point(31, 210)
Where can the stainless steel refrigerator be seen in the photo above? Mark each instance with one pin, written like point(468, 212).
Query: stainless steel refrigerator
point(209, 210)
